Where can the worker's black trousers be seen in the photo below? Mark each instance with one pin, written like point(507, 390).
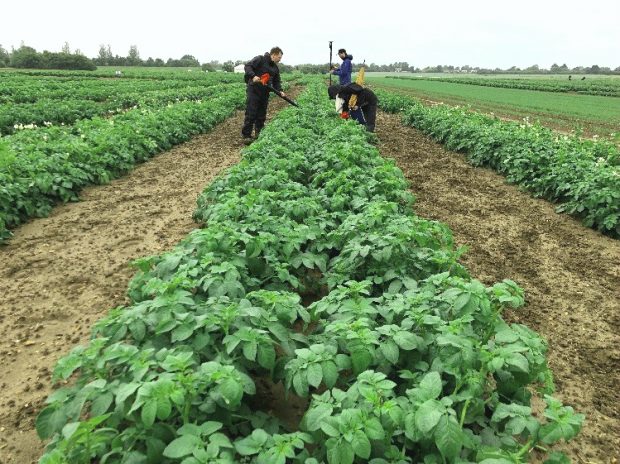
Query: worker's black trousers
point(255, 110)
point(367, 114)
point(370, 115)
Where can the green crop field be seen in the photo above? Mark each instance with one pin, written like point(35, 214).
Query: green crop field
point(595, 115)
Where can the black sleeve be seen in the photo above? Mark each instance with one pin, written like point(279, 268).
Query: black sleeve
point(277, 82)
point(366, 97)
point(251, 67)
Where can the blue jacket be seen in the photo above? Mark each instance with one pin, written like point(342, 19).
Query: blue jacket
point(344, 71)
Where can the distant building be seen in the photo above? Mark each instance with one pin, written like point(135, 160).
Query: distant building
point(240, 68)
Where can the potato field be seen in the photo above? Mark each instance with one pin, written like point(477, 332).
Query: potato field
point(445, 290)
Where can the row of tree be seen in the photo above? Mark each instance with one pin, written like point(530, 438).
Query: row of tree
point(28, 57)
point(105, 57)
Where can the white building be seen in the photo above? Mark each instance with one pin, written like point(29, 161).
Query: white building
point(240, 68)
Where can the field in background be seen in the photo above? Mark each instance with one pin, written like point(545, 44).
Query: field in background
point(552, 77)
point(595, 115)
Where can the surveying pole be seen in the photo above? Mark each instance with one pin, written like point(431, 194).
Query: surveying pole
point(330, 62)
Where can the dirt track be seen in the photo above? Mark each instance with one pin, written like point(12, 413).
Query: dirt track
point(571, 274)
point(62, 273)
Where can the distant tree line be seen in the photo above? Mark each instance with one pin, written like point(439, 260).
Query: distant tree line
point(105, 57)
point(28, 57)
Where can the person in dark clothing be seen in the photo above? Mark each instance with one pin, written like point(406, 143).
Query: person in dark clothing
point(259, 71)
point(344, 71)
point(365, 109)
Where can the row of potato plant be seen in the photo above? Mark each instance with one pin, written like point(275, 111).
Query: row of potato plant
point(47, 112)
point(16, 88)
point(137, 73)
point(311, 271)
point(582, 176)
point(40, 167)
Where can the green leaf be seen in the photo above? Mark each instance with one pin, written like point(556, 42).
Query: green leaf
point(149, 412)
point(395, 286)
point(556, 431)
point(50, 420)
point(101, 404)
point(374, 429)
point(279, 331)
point(164, 408)
point(266, 356)
point(182, 332)
point(330, 373)
point(207, 428)
point(461, 301)
point(316, 415)
point(232, 392)
point(428, 415)
point(361, 444)
point(253, 443)
point(124, 391)
point(448, 437)
point(519, 361)
point(390, 351)
point(315, 374)
point(138, 330)
point(247, 447)
point(182, 446)
point(300, 383)
point(407, 341)
point(342, 453)
point(220, 440)
point(328, 427)
point(361, 359)
point(249, 350)
point(431, 386)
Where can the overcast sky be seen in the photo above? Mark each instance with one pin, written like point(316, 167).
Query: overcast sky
point(485, 33)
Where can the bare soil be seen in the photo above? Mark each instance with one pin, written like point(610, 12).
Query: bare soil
point(62, 273)
point(571, 274)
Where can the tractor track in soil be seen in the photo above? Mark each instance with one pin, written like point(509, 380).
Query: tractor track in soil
point(62, 273)
point(570, 274)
